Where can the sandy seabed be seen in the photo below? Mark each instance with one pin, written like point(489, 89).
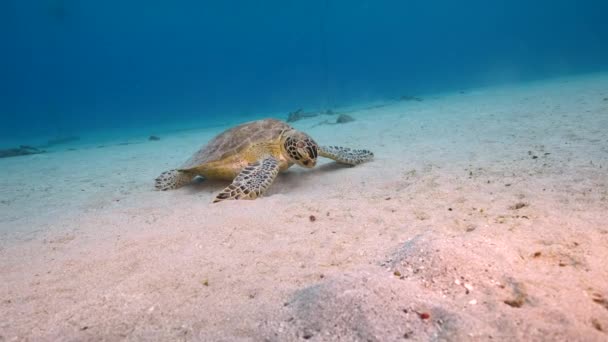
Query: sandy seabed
point(484, 216)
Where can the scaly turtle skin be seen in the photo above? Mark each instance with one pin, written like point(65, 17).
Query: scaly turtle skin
point(251, 155)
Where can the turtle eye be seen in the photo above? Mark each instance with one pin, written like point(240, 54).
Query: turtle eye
point(311, 152)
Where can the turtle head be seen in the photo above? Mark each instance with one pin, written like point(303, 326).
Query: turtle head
point(300, 148)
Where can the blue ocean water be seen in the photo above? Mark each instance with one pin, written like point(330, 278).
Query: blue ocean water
point(71, 67)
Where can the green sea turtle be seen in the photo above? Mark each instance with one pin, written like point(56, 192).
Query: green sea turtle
point(251, 155)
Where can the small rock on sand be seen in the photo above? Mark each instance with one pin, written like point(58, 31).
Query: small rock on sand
point(343, 118)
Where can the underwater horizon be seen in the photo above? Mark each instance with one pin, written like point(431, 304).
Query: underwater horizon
point(73, 68)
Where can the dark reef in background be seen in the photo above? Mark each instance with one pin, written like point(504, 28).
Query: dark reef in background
point(22, 150)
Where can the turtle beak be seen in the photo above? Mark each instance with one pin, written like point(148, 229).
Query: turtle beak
point(310, 163)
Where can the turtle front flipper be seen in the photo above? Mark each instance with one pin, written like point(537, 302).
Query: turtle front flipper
point(252, 181)
point(345, 155)
point(172, 179)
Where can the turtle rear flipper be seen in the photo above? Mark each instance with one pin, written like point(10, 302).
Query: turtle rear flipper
point(345, 155)
point(172, 179)
point(252, 181)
